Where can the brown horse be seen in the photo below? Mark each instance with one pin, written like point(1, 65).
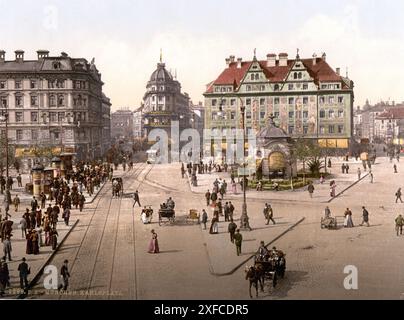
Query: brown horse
point(254, 274)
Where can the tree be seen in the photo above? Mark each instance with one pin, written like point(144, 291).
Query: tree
point(308, 152)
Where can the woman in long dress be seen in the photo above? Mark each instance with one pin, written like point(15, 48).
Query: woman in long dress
point(348, 223)
point(154, 244)
point(29, 242)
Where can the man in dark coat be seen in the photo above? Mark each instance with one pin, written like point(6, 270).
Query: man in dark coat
point(204, 218)
point(207, 197)
point(232, 230)
point(365, 217)
point(24, 271)
point(136, 198)
point(65, 275)
point(34, 204)
point(238, 239)
point(82, 199)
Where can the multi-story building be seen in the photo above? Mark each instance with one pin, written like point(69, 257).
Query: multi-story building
point(138, 123)
point(122, 125)
point(164, 102)
point(389, 125)
point(307, 97)
point(54, 101)
point(106, 126)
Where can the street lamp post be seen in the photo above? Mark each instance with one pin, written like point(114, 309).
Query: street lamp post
point(245, 225)
point(4, 118)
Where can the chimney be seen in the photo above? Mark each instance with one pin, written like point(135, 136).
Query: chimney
point(19, 55)
point(239, 63)
point(2, 55)
point(324, 56)
point(314, 59)
point(42, 54)
point(338, 70)
point(271, 60)
point(64, 55)
point(227, 62)
point(283, 59)
point(232, 58)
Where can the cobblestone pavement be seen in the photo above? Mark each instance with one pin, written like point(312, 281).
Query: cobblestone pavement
point(108, 249)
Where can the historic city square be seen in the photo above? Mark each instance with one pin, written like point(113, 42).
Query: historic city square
point(173, 169)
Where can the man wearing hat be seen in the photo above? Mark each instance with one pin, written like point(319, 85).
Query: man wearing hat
point(65, 275)
point(24, 271)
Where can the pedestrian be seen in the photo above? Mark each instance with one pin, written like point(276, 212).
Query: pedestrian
point(231, 210)
point(24, 271)
point(154, 245)
point(43, 200)
point(7, 248)
point(333, 186)
point(232, 229)
point(238, 239)
point(268, 212)
point(327, 212)
point(207, 197)
point(347, 168)
point(204, 218)
point(35, 242)
point(214, 227)
point(348, 223)
point(23, 224)
point(359, 173)
point(65, 276)
point(226, 212)
point(343, 168)
point(234, 187)
point(395, 168)
point(310, 188)
point(399, 224)
point(19, 180)
point(34, 204)
point(82, 200)
point(371, 176)
point(329, 163)
point(16, 202)
point(398, 195)
point(53, 235)
point(365, 217)
point(213, 197)
point(136, 199)
point(66, 216)
point(4, 277)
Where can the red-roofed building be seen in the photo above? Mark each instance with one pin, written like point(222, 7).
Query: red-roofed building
point(307, 97)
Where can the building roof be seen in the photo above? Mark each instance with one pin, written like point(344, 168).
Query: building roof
point(161, 74)
point(392, 113)
point(320, 71)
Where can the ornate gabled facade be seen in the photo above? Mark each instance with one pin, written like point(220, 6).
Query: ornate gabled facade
point(54, 101)
point(307, 97)
point(164, 102)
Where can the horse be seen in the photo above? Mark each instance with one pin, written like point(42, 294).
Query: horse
point(254, 274)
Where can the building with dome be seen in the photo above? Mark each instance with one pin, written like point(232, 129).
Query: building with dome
point(164, 102)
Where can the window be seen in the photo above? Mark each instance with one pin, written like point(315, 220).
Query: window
point(19, 101)
point(34, 100)
point(61, 100)
point(257, 76)
point(252, 76)
point(262, 114)
point(18, 84)
point(248, 114)
point(340, 99)
point(291, 129)
point(322, 100)
point(34, 134)
point(248, 101)
point(331, 114)
point(233, 115)
point(4, 102)
point(2, 84)
point(305, 114)
point(33, 84)
point(305, 129)
point(290, 86)
point(52, 116)
point(331, 129)
point(52, 100)
point(160, 99)
point(262, 101)
point(331, 100)
point(291, 100)
point(341, 128)
point(262, 87)
point(305, 100)
point(299, 75)
point(34, 116)
point(168, 98)
point(153, 98)
point(214, 115)
point(322, 129)
point(305, 86)
point(223, 102)
point(61, 116)
point(214, 102)
point(248, 88)
point(233, 102)
point(56, 135)
point(291, 114)
point(276, 87)
point(18, 134)
point(322, 113)
point(276, 114)
point(295, 75)
point(276, 101)
point(340, 113)
point(19, 117)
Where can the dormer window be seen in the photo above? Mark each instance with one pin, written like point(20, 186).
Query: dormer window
point(56, 65)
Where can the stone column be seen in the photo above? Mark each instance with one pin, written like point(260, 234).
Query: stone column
point(37, 179)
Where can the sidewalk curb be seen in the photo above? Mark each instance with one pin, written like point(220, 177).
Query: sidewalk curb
point(96, 194)
point(40, 272)
point(347, 188)
point(211, 270)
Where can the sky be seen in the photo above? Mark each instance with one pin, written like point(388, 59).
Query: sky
point(365, 37)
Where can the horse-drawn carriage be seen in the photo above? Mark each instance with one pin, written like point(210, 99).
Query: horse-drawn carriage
point(270, 267)
point(117, 187)
point(167, 212)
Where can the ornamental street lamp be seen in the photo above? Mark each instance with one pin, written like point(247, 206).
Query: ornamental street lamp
point(4, 118)
point(245, 225)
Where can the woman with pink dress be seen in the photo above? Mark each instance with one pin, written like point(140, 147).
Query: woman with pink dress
point(154, 244)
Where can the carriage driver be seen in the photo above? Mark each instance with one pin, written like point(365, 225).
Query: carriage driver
point(262, 252)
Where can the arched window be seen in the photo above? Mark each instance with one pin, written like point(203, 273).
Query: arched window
point(252, 76)
point(61, 100)
point(299, 75)
point(295, 75)
point(257, 76)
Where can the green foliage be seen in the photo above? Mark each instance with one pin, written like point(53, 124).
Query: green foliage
point(315, 165)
